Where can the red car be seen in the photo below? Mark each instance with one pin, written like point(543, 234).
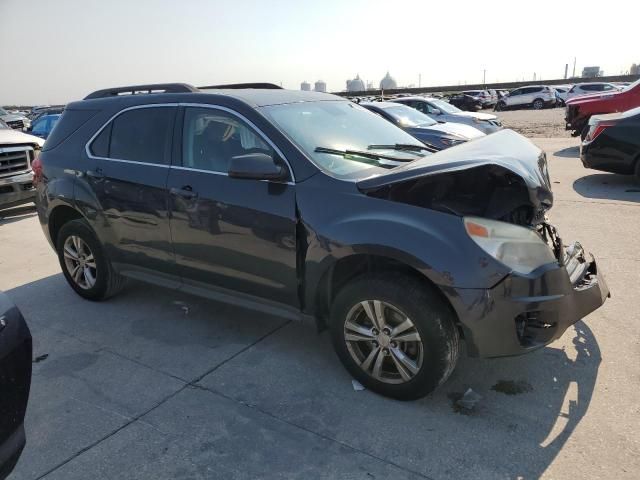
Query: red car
point(580, 109)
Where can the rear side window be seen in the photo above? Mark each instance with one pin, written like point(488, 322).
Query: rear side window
point(139, 135)
point(67, 124)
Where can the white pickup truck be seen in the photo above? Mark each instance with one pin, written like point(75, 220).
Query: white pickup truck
point(17, 151)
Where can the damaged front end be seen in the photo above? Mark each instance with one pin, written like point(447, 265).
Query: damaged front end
point(499, 184)
point(501, 177)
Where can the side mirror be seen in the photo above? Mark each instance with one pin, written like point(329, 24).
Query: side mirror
point(436, 111)
point(256, 166)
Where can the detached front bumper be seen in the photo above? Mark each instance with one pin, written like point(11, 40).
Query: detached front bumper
point(525, 312)
point(16, 190)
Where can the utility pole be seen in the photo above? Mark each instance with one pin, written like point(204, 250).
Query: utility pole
point(484, 77)
point(574, 67)
point(566, 70)
point(419, 80)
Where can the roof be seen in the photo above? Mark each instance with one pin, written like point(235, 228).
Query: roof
point(262, 98)
point(254, 97)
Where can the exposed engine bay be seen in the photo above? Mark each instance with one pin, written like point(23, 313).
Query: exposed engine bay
point(488, 190)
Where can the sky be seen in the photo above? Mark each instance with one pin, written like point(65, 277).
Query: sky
point(56, 51)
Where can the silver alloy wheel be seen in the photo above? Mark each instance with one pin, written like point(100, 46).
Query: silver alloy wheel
point(80, 262)
point(538, 104)
point(383, 341)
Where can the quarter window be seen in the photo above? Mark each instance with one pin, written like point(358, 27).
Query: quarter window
point(212, 137)
point(139, 135)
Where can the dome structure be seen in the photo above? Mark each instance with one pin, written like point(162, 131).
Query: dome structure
point(355, 85)
point(305, 86)
point(320, 86)
point(388, 83)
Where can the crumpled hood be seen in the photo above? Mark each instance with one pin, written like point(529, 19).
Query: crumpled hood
point(505, 154)
point(14, 137)
point(591, 97)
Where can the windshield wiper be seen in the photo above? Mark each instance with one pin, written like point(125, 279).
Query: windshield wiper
point(407, 147)
point(358, 153)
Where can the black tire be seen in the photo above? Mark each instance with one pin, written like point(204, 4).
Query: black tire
point(584, 132)
point(107, 281)
point(431, 317)
point(500, 106)
point(538, 104)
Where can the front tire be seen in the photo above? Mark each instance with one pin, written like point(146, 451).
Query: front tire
point(84, 263)
point(538, 104)
point(395, 335)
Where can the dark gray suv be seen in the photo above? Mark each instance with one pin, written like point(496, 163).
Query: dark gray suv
point(309, 205)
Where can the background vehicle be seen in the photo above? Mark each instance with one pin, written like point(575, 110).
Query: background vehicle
point(42, 126)
point(424, 128)
point(580, 89)
point(613, 143)
point(466, 102)
point(442, 110)
point(306, 204)
point(579, 110)
point(536, 96)
point(15, 383)
point(15, 121)
point(486, 98)
point(17, 153)
point(46, 111)
point(561, 94)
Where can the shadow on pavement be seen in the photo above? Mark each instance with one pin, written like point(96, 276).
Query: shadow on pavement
point(293, 375)
point(569, 152)
point(608, 186)
point(16, 214)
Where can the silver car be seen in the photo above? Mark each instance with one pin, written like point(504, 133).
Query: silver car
point(445, 112)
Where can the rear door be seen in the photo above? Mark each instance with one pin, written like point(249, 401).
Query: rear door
point(129, 160)
point(237, 234)
point(515, 97)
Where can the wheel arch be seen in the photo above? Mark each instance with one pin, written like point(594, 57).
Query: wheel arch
point(60, 215)
point(347, 268)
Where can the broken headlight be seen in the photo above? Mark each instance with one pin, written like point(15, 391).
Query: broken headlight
point(519, 248)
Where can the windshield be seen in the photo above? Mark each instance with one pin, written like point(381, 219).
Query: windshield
point(633, 85)
point(339, 125)
point(445, 107)
point(3, 111)
point(3, 125)
point(409, 117)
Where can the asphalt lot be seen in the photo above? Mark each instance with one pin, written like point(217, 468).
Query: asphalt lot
point(156, 384)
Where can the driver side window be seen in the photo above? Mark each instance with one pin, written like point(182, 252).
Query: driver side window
point(211, 137)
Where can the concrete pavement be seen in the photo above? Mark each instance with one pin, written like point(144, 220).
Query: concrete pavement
point(158, 384)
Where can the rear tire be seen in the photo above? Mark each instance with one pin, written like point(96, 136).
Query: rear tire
point(538, 104)
point(500, 106)
point(84, 263)
point(410, 351)
point(584, 132)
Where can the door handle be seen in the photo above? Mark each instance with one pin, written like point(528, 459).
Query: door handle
point(184, 192)
point(96, 174)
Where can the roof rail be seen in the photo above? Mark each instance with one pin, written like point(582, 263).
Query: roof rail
point(136, 89)
point(266, 86)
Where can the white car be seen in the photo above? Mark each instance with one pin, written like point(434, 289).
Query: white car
point(15, 121)
point(536, 96)
point(590, 88)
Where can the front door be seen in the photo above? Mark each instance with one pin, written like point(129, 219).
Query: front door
point(128, 170)
point(237, 234)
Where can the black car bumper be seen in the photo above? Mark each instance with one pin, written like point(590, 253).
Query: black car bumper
point(525, 312)
point(15, 382)
point(17, 190)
